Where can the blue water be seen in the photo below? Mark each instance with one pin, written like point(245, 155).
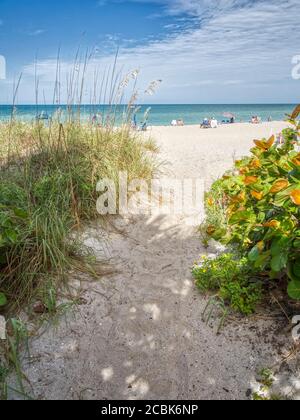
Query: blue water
point(163, 114)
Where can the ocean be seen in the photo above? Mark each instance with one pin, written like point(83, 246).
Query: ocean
point(162, 114)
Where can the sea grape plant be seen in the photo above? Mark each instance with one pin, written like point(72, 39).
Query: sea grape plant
point(259, 207)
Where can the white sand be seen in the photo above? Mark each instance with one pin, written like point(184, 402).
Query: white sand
point(140, 334)
point(192, 151)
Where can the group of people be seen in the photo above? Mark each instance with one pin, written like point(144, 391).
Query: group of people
point(231, 120)
point(177, 123)
point(97, 119)
point(213, 122)
point(209, 123)
point(206, 123)
point(255, 120)
point(142, 127)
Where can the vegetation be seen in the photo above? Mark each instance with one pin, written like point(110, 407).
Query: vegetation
point(49, 170)
point(254, 211)
point(266, 380)
point(48, 178)
point(230, 277)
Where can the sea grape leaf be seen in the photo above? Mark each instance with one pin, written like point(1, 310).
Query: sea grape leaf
point(291, 274)
point(296, 243)
point(294, 290)
point(279, 245)
point(296, 268)
point(279, 262)
point(3, 299)
point(254, 254)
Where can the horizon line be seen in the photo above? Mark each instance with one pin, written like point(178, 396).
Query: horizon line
point(154, 104)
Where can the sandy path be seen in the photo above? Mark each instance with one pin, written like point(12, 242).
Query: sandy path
point(140, 334)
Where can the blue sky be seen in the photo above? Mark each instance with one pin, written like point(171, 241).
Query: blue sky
point(204, 51)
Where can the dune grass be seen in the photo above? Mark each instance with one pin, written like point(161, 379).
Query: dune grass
point(48, 177)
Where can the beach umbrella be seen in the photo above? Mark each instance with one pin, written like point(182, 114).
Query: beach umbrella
point(228, 115)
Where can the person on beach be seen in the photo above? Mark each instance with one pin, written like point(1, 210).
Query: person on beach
point(144, 126)
point(174, 123)
point(134, 123)
point(205, 123)
point(97, 120)
point(255, 120)
point(214, 123)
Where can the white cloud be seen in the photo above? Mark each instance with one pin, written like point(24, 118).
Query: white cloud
point(236, 50)
point(37, 32)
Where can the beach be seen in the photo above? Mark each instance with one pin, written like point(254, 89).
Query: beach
point(139, 332)
point(149, 202)
point(208, 153)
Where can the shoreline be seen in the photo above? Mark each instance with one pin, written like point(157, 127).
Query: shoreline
point(241, 123)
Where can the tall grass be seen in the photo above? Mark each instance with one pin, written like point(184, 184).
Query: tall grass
point(48, 177)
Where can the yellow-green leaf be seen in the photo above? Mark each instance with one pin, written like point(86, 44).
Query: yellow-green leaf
point(295, 197)
point(279, 185)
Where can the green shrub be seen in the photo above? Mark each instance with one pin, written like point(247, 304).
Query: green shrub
point(210, 274)
point(243, 298)
point(256, 208)
point(230, 277)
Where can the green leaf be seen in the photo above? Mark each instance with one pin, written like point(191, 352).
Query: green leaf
point(294, 176)
point(262, 260)
point(296, 243)
point(296, 268)
point(3, 299)
point(11, 235)
point(279, 246)
point(261, 217)
point(294, 290)
point(219, 234)
point(21, 213)
point(240, 216)
point(279, 262)
point(280, 200)
point(291, 274)
point(254, 254)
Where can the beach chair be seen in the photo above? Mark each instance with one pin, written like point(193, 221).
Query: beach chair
point(143, 127)
point(205, 124)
